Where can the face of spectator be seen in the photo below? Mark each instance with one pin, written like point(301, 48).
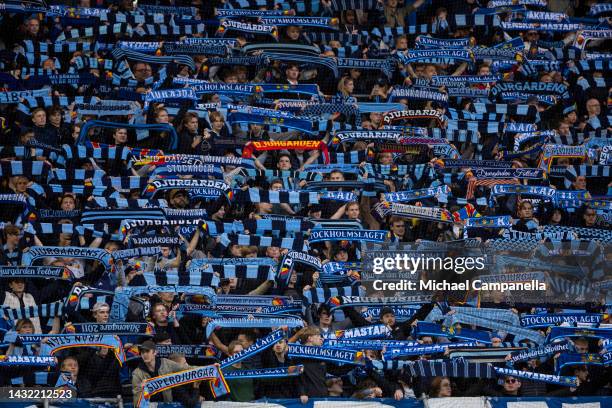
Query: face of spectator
point(217, 124)
point(192, 125)
point(388, 319)
point(256, 128)
point(402, 44)
point(571, 117)
point(582, 373)
point(165, 252)
point(231, 79)
point(484, 70)
point(593, 107)
point(511, 385)
point(352, 211)
point(336, 176)
point(179, 200)
point(430, 71)
point(26, 328)
point(273, 252)
point(350, 17)
point(148, 356)
point(392, 3)
point(581, 345)
point(445, 388)
point(580, 183)
point(563, 129)
point(111, 247)
point(17, 286)
point(39, 118)
point(219, 215)
point(556, 217)
point(280, 346)
point(398, 228)
point(325, 319)
point(101, 315)
point(293, 278)
point(526, 211)
point(376, 118)
point(545, 78)
point(315, 340)
point(237, 349)
point(293, 33)
point(72, 366)
point(386, 158)
point(33, 27)
point(21, 184)
point(244, 340)
point(67, 204)
point(142, 71)
point(532, 36)
point(496, 342)
point(341, 256)
point(349, 86)
point(590, 216)
point(426, 340)
point(293, 73)
point(55, 119)
point(284, 163)
point(160, 314)
point(12, 239)
point(162, 117)
point(120, 136)
point(276, 186)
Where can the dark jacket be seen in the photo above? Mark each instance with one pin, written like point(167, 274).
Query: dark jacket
point(312, 380)
point(398, 331)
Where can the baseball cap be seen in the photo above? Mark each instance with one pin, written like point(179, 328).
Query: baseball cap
point(386, 310)
point(146, 345)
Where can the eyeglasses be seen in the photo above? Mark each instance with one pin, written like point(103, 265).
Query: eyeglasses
point(510, 380)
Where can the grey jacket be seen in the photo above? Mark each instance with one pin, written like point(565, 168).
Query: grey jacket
point(166, 367)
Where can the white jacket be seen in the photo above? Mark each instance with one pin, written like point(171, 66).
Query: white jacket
point(11, 300)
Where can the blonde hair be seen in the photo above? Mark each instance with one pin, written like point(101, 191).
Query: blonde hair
point(342, 85)
point(307, 332)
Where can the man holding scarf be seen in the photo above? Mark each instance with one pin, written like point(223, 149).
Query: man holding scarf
point(154, 366)
point(387, 317)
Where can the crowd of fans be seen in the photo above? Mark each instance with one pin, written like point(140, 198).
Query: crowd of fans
point(100, 115)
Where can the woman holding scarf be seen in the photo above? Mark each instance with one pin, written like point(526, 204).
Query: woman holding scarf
point(526, 222)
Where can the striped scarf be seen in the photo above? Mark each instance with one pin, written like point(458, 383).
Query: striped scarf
point(257, 347)
point(54, 309)
point(96, 31)
point(322, 295)
point(169, 277)
point(435, 368)
point(296, 244)
point(474, 183)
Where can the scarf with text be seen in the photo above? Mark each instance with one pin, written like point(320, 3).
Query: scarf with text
point(257, 347)
point(58, 342)
point(211, 373)
point(532, 376)
point(331, 354)
point(540, 352)
point(275, 321)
